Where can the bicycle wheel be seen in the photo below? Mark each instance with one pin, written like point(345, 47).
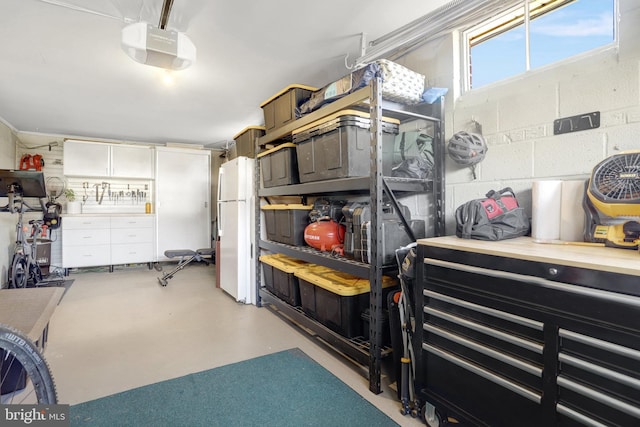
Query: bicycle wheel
point(25, 377)
point(35, 274)
point(19, 275)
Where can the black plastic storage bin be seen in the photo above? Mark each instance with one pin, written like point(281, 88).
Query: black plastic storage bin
point(282, 108)
point(246, 145)
point(279, 276)
point(286, 223)
point(384, 320)
point(336, 299)
point(279, 165)
point(339, 146)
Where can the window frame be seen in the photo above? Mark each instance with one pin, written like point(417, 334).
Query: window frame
point(511, 18)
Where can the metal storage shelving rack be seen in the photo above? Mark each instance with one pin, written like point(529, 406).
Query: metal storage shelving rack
point(369, 99)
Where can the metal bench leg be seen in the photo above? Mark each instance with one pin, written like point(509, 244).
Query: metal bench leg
point(163, 280)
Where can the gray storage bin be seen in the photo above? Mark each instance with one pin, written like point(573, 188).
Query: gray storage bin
point(246, 145)
point(286, 223)
point(279, 165)
point(282, 108)
point(339, 146)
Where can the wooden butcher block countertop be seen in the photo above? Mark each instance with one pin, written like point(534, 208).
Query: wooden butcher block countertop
point(615, 260)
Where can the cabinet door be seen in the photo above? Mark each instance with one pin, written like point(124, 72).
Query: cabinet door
point(131, 162)
point(86, 158)
point(183, 215)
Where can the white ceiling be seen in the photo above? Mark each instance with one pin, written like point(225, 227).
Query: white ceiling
point(63, 72)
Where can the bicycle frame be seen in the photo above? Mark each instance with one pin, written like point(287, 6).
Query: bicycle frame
point(24, 266)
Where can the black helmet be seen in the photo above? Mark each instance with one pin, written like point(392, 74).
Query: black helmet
point(467, 148)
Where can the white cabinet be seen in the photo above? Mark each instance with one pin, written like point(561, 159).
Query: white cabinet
point(90, 241)
point(132, 239)
point(85, 241)
point(131, 161)
point(84, 158)
point(183, 190)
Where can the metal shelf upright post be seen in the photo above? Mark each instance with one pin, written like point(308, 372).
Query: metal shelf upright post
point(375, 273)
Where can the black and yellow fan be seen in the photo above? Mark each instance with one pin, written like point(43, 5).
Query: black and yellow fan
point(612, 201)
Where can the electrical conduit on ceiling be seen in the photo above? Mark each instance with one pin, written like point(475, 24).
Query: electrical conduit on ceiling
point(435, 24)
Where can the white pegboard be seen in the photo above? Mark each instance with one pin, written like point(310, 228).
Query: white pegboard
point(111, 195)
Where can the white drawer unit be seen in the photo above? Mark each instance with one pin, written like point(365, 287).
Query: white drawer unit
point(132, 221)
point(131, 235)
point(85, 242)
point(89, 241)
point(131, 253)
point(132, 239)
point(86, 222)
point(85, 256)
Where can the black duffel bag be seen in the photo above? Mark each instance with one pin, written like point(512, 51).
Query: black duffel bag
point(497, 217)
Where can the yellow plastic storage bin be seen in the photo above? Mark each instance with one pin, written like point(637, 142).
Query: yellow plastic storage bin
point(337, 299)
point(279, 279)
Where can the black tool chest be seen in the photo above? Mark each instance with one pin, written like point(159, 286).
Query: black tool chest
point(520, 333)
point(370, 184)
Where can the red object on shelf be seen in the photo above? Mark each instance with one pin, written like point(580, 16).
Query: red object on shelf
point(324, 235)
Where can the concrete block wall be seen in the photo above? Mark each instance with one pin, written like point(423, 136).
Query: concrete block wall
point(517, 114)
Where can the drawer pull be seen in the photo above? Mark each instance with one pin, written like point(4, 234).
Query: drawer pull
point(520, 342)
point(527, 367)
point(510, 385)
point(581, 418)
point(533, 280)
point(486, 310)
point(599, 397)
point(601, 344)
point(599, 370)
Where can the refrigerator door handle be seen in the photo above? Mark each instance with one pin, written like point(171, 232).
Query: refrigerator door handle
point(220, 182)
point(220, 220)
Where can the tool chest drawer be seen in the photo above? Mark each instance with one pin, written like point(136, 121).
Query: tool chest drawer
point(511, 339)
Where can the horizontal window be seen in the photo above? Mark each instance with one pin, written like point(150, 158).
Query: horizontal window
point(546, 32)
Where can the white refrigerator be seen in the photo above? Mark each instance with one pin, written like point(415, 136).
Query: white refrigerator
point(236, 228)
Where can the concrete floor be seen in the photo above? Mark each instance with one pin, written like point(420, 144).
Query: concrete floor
point(117, 331)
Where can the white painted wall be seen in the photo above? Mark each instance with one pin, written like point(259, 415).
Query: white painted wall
point(517, 115)
point(7, 222)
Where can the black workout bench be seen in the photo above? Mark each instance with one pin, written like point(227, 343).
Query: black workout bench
point(187, 256)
